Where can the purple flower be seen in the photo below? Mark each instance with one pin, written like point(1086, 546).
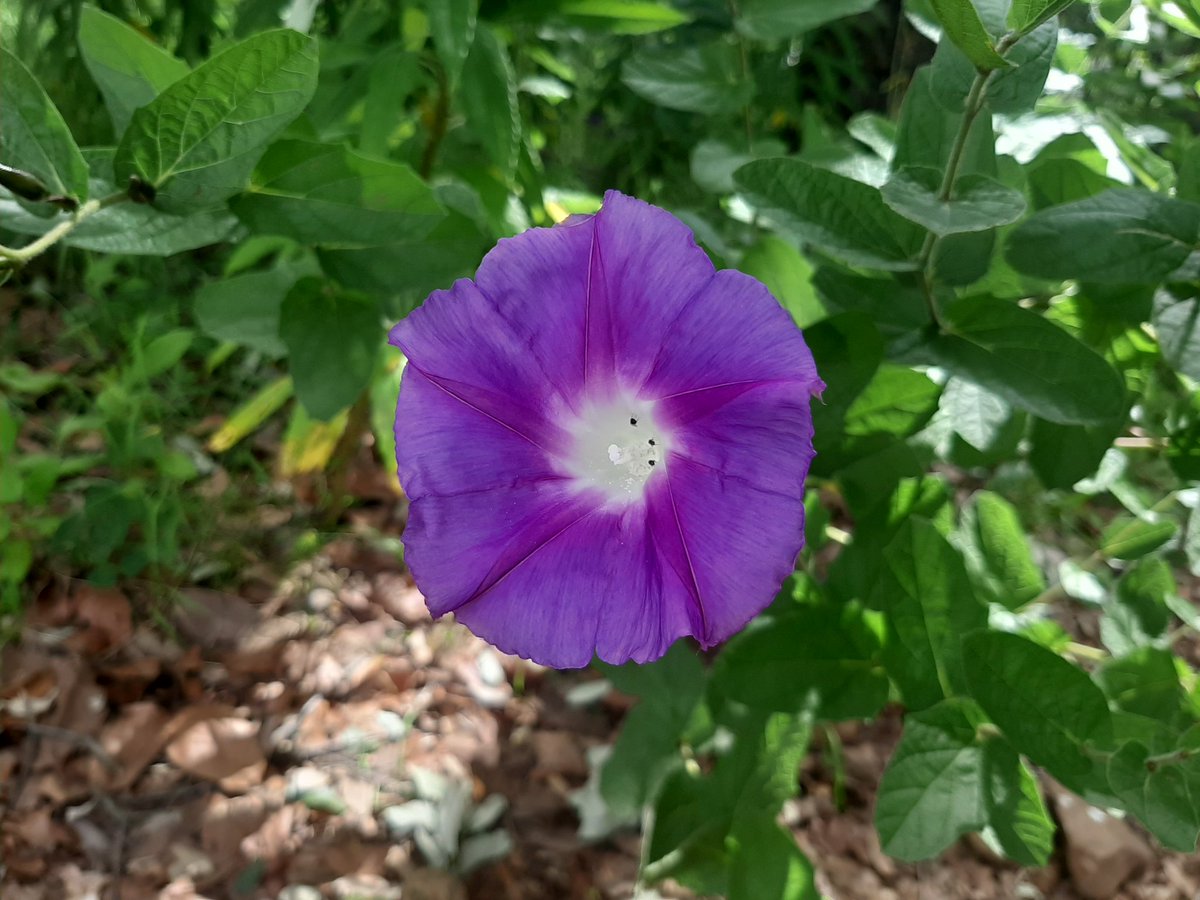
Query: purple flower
point(604, 441)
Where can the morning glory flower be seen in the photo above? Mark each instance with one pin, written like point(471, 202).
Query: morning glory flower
point(604, 441)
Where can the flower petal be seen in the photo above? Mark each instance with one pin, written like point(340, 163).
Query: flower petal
point(731, 543)
point(594, 587)
point(646, 266)
point(733, 332)
point(445, 445)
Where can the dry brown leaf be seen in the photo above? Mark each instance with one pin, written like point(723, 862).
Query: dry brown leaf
point(134, 739)
point(127, 682)
point(225, 823)
point(30, 695)
point(105, 619)
point(226, 751)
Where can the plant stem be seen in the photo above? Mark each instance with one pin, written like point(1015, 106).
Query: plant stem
point(15, 257)
point(972, 106)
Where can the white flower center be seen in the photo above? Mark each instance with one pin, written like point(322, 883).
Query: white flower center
point(617, 447)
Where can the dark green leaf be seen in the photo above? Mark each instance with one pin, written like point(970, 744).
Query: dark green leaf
point(1026, 15)
point(1127, 537)
point(713, 162)
point(977, 203)
point(1047, 708)
point(329, 194)
point(894, 308)
point(787, 275)
point(774, 20)
point(1016, 813)
point(1006, 551)
point(897, 401)
point(964, 28)
point(1145, 682)
point(1177, 325)
point(932, 790)
point(845, 218)
point(1166, 798)
point(129, 68)
point(489, 96)
point(812, 650)
point(33, 135)
point(927, 598)
point(1065, 180)
point(1027, 360)
point(767, 863)
point(928, 131)
point(245, 309)
point(1121, 235)
point(704, 78)
point(198, 141)
point(452, 24)
point(134, 228)
point(1064, 454)
point(333, 337)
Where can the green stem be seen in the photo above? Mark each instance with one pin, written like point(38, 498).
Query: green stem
point(15, 257)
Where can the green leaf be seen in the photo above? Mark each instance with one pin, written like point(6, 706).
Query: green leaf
point(977, 203)
point(1127, 537)
point(165, 351)
point(33, 135)
point(329, 194)
point(1026, 15)
point(964, 27)
point(1177, 325)
point(1016, 813)
point(811, 651)
point(1163, 797)
point(1121, 235)
point(1061, 455)
point(932, 791)
point(1006, 551)
point(975, 414)
point(197, 142)
point(333, 337)
point(1047, 708)
point(133, 228)
point(713, 162)
point(775, 20)
point(787, 275)
point(452, 25)
point(1145, 682)
point(897, 401)
point(844, 218)
point(245, 308)
point(928, 131)
point(623, 16)
point(929, 604)
point(705, 78)
point(489, 97)
point(1027, 360)
point(129, 68)
point(768, 863)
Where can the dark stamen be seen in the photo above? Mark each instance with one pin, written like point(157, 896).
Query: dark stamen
point(651, 462)
point(632, 420)
point(651, 442)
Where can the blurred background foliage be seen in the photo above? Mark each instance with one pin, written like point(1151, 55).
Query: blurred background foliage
point(1012, 425)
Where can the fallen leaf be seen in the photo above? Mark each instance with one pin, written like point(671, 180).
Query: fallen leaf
point(134, 739)
point(226, 751)
point(106, 619)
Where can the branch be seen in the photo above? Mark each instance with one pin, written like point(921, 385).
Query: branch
point(16, 257)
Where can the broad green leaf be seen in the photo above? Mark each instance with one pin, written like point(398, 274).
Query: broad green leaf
point(1026, 15)
point(1061, 455)
point(1145, 682)
point(198, 141)
point(977, 202)
point(1166, 798)
point(452, 24)
point(932, 791)
point(1006, 551)
point(623, 16)
point(1127, 537)
point(928, 130)
point(844, 218)
point(164, 352)
point(1065, 180)
point(787, 275)
point(713, 162)
point(927, 598)
point(333, 337)
point(245, 308)
point(848, 350)
point(897, 401)
point(775, 20)
point(1027, 360)
point(975, 414)
point(134, 228)
point(129, 68)
point(34, 137)
point(768, 863)
point(394, 75)
point(1177, 325)
point(329, 194)
point(1121, 235)
point(1016, 813)
point(811, 651)
point(489, 96)
point(964, 27)
point(647, 749)
point(895, 309)
point(1047, 708)
point(704, 78)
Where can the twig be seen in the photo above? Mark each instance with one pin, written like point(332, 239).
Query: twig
point(16, 257)
point(84, 741)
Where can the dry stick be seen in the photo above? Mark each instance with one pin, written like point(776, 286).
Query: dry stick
point(84, 741)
